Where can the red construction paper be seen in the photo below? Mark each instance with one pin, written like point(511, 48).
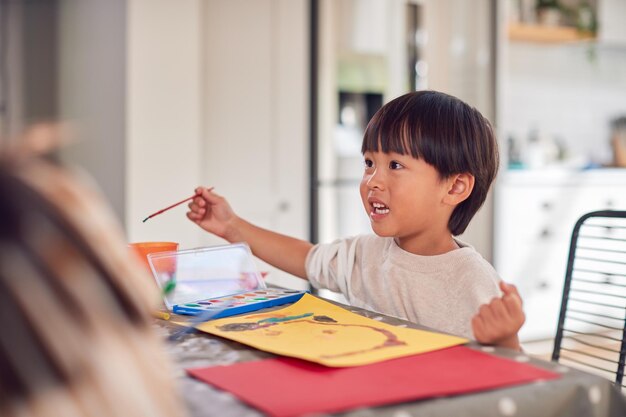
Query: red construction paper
point(284, 387)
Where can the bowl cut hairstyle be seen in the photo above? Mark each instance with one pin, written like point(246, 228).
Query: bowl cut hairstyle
point(446, 133)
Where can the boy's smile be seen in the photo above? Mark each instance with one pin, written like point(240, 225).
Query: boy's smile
point(378, 209)
point(405, 199)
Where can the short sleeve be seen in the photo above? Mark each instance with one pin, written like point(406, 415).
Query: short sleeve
point(330, 265)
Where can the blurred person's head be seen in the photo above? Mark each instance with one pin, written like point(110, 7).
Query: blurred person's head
point(76, 335)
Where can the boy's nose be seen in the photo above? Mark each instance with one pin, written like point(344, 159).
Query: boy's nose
point(375, 181)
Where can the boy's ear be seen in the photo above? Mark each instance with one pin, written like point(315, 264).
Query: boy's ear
point(460, 187)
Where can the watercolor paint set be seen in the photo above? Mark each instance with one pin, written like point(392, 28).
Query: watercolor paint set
point(216, 281)
point(240, 303)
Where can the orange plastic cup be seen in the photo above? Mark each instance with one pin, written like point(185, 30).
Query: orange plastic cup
point(142, 249)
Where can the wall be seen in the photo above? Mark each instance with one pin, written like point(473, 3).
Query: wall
point(168, 95)
point(92, 91)
point(570, 92)
point(129, 82)
point(164, 109)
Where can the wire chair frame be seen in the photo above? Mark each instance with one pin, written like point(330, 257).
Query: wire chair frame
point(592, 317)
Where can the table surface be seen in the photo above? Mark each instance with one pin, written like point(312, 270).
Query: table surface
point(576, 393)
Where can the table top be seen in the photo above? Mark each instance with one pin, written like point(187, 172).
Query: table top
point(576, 393)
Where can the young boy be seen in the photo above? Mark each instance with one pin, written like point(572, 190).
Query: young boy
point(429, 162)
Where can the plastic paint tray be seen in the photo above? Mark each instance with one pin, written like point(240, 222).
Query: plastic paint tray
point(222, 279)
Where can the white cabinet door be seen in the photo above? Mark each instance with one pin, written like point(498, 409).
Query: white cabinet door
point(533, 227)
point(255, 104)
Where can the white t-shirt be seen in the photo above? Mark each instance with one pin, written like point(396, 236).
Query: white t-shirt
point(442, 292)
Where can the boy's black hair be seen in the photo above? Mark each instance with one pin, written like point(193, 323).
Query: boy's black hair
point(446, 133)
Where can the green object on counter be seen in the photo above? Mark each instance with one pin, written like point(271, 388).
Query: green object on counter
point(169, 287)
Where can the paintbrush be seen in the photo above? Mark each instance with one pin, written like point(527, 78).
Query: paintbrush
point(191, 324)
point(167, 208)
point(168, 288)
point(172, 206)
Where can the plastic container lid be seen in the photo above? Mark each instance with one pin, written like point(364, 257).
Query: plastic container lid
point(204, 273)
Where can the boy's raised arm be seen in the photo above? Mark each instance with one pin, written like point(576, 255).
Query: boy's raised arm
point(212, 212)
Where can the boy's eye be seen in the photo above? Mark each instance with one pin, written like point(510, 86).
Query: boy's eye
point(368, 163)
point(395, 165)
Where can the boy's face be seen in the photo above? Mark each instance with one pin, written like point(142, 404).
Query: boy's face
point(404, 198)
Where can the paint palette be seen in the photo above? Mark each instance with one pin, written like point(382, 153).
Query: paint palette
point(240, 303)
point(218, 279)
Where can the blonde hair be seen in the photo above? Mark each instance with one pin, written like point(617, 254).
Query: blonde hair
point(76, 337)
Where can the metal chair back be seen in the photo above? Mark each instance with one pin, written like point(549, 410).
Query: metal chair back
point(591, 332)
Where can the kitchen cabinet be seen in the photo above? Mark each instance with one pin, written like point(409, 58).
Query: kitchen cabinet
point(535, 213)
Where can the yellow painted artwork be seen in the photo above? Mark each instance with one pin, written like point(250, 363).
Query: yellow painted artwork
point(318, 331)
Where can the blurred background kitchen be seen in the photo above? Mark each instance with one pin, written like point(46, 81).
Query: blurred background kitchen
point(267, 101)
